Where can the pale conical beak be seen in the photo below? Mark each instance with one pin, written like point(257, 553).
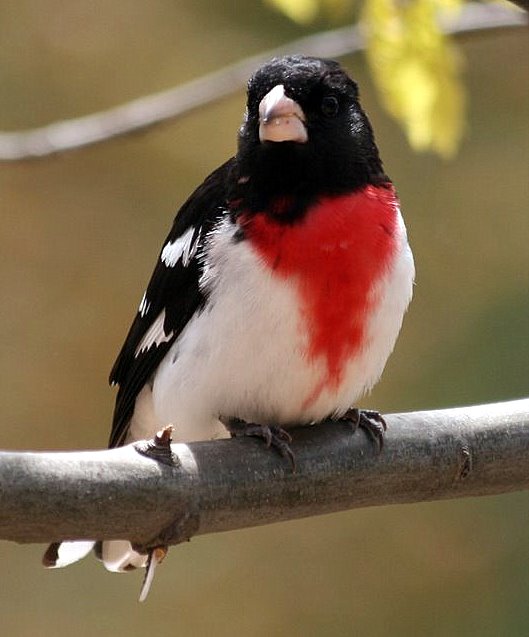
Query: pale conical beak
point(281, 119)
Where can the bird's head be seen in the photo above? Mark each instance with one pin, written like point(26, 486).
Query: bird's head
point(304, 130)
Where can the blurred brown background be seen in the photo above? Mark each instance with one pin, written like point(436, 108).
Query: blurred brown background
point(79, 235)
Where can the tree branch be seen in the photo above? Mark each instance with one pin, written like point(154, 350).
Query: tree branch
point(230, 484)
point(155, 109)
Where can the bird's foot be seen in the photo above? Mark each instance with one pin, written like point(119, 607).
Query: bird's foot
point(273, 436)
point(159, 448)
point(371, 422)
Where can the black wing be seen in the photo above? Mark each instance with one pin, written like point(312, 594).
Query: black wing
point(173, 289)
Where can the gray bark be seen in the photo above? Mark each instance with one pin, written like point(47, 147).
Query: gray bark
point(230, 484)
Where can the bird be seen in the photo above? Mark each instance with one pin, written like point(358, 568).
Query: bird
point(280, 290)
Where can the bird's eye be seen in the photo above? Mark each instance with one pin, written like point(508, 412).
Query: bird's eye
point(329, 106)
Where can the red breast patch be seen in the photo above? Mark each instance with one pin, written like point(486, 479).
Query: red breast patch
point(335, 254)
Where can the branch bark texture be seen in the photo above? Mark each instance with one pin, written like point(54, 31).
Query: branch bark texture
point(145, 112)
point(230, 484)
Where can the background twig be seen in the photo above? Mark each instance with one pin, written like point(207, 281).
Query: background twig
point(154, 109)
point(230, 484)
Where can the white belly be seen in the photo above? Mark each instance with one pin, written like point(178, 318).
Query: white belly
point(244, 356)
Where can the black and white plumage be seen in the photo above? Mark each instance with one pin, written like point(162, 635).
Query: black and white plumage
point(280, 290)
point(173, 296)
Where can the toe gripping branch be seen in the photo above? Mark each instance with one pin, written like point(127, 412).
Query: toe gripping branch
point(372, 422)
point(274, 437)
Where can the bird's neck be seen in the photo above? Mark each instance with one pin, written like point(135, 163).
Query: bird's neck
point(286, 180)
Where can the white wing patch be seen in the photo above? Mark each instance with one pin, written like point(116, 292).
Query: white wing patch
point(155, 335)
point(183, 248)
point(144, 305)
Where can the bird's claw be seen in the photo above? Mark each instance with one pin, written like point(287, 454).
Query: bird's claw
point(273, 436)
point(372, 422)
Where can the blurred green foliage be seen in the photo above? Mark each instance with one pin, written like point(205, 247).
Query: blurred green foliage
point(79, 236)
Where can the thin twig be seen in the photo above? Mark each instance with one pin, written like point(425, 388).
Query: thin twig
point(230, 484)
point(160, 107)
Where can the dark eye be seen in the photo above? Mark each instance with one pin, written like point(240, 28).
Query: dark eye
point(329, 106)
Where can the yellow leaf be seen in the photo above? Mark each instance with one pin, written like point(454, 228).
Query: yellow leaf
point(416, 69)
point(306, 11)
point(302, 11)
